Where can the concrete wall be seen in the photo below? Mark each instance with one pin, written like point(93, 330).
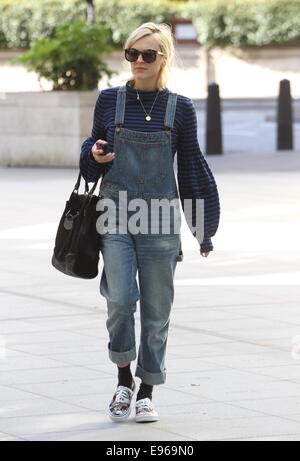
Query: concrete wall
point(44, 128)
point(256, 72)
point(48, 128)
point(240, 73)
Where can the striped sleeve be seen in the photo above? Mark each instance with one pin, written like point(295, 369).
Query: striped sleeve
point(196, 183)
point(89, 168)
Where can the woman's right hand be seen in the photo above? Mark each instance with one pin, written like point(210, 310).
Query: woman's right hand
point(99, 154)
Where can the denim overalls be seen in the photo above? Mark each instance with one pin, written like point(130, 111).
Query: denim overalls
point(142, 169)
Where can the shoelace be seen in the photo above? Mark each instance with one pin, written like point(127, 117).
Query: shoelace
point(121, 396)
point(144, 405)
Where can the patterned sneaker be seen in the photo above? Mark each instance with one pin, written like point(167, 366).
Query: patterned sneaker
point(119, 407)
point(145, 411)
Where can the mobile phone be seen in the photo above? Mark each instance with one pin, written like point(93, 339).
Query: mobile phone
point(102, 146)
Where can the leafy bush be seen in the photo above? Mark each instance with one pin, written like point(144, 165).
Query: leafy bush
point(219, 22)
point(22, 23)
point(124, 16)
point(72, 58)
point(241, 23)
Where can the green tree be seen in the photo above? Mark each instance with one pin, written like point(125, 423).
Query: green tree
point(72, 58)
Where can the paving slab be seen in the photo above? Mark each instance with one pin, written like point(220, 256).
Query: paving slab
point(233, 357)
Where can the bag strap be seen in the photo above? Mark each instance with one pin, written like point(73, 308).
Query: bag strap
point(86, 191)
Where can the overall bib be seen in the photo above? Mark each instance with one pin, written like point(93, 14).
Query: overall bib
point(142, 169)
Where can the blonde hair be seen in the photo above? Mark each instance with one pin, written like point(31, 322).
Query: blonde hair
point(162, 33)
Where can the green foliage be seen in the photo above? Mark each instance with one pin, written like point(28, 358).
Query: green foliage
point(71, 59)
point(241, 23)
point(219, 22)
point(123, 17)
point(22, 23)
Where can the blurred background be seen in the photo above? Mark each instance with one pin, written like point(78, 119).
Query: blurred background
point(62, 52)
point(234, 342)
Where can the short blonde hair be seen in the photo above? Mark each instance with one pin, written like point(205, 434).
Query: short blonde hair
point(162, 33)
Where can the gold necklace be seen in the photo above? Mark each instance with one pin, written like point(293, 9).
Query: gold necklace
point(148, 118)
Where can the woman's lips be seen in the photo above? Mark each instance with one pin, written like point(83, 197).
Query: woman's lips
point(140, 68)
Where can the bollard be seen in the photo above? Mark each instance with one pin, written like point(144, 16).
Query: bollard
point(213, 121)
point(284, 117)
point(90, 12)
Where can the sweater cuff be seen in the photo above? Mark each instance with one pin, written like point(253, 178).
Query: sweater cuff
point(93, 162)
point(206, 245)
point(91, 157)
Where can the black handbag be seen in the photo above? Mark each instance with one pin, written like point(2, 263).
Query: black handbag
point(77, 242)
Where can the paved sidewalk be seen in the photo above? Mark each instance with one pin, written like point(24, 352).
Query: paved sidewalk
point(233, 359)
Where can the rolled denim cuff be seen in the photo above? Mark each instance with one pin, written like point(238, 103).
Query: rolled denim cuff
point(150, 378)
point(122, 357)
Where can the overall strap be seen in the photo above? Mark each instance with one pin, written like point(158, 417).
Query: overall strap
point(120, 106)
point(169, 115)
point(170, 111)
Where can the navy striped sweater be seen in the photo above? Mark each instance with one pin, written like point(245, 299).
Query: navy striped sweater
point(195, 179)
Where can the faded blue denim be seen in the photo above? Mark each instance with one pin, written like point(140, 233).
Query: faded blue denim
point(143, 167)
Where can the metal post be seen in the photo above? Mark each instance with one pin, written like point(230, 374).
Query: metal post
point(213, 121)
point(284, 117)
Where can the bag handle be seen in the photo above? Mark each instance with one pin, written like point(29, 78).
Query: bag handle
point(86, 191)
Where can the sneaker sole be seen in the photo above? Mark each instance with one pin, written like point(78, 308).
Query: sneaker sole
point(146, 419)
point(119, 418)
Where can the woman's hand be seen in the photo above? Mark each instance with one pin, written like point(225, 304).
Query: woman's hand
point(204, 253)
point(99, 154)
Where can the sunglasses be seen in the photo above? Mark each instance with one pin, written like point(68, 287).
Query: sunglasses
point(131, 54)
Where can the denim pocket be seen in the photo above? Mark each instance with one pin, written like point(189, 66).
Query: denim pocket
point(141, 163)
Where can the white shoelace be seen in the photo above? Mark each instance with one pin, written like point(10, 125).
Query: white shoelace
point(144, 404)
point(122, 395)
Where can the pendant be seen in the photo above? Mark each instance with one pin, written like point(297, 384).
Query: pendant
point(148, 118)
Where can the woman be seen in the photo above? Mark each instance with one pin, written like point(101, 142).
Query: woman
point(142, 125)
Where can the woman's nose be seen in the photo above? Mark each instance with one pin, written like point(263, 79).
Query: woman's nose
point(140, 58)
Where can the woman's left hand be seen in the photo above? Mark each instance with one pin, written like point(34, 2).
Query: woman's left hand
point(204, 253)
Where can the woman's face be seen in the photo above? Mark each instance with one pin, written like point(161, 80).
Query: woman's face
point(144, 71)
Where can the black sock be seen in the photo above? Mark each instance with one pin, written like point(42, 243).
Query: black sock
point(145, 390)
point(125, 376)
